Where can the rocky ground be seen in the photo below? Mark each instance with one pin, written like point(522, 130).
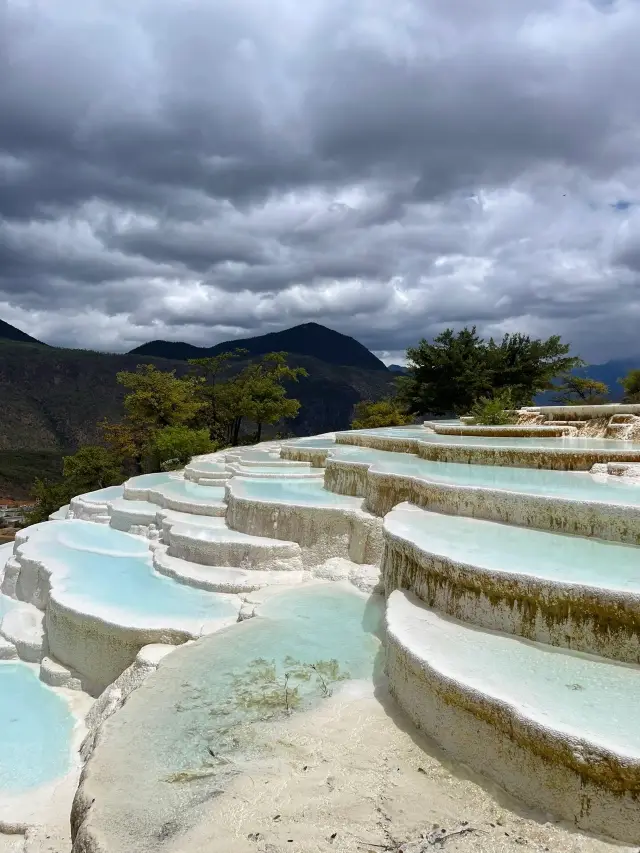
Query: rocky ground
point(356, 776)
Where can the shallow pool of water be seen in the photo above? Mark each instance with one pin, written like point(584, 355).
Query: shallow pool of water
point(202, 710)
point(148, 481)
point(36, 728)
point(568, 442)
point(573, 485)
point(312, 442)
point(520, 550)
point(110, 493)
point(105, 568)
point(193, 492)
point(306, 492)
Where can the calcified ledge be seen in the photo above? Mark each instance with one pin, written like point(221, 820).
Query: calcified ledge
point(595, 620)
point(573, 413)
point(96, 644)
point(506, 430)
point(558, 459)
point(594, 787)
point(382, 491)
point(322, 532)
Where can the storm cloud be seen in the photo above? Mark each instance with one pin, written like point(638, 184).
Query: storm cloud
point(214, 169)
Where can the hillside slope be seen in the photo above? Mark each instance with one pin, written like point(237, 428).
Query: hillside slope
point(10, 333)
point(53, 398)
point(309, 339)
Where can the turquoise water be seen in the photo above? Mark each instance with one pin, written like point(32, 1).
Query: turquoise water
point(214, 467)
point(149, 481)
point(520, 550)
point(205, 709)
point(564, 442)
point(107, 568)
point(103, 495)
point(193, 492)
point(312, 442)
point(6, 604)
point(309, 492)
point(281, 470)
point(573, 485)
point(36, 729)
point(594, 699)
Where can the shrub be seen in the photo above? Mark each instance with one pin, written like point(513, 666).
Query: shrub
point(495, 410)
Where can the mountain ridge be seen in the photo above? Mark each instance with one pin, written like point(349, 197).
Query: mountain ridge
point(307, 339)
point(12, 333)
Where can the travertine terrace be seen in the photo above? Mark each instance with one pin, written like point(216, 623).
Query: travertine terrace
point(507, 565)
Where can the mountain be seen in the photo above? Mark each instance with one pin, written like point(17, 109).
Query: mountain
point(10, 333)
point(308, 339)
point(609, 373)
point(399, 369)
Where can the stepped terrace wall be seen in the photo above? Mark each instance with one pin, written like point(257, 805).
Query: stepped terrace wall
point(561, 458)
point(560, 606)
point(382, 491)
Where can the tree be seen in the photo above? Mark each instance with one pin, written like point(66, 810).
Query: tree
point(266, 400)
point(91, 468)
point(178, 445)
point(449, 375)
point(527, 366)
point(215, 413)
point(369, 414)
point(157, 399)
point(631, 385)
point(579, 390)
point(256, 393)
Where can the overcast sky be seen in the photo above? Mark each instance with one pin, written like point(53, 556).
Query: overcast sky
point(207, 169)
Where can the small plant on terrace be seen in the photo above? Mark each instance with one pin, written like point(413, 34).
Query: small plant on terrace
point(260, 687)
point(496, 410)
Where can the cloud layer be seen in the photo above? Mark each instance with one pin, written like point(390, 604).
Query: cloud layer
point(220, 168)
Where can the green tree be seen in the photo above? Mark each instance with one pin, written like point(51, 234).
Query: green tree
point(453, 372)
point(156, 399)
point(49, 497)
point(175, 446)
point(527, 366)
point(369, 414)
point(445, 376)
point(218, 402)
point(91, 468)
point(256, 393)
point(265, 393)
point(580, 390)
point(631, 385)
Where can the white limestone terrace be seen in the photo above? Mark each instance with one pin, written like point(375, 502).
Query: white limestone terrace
point(92, 600)
point(503, 430)
point(177, 556)
point(566, 501)
point(544, 586)
point(324, 524)
point(565, 453)
point(41, 730)
point(558, 730)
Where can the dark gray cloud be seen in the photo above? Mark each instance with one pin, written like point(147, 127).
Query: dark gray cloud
point(204, 170)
